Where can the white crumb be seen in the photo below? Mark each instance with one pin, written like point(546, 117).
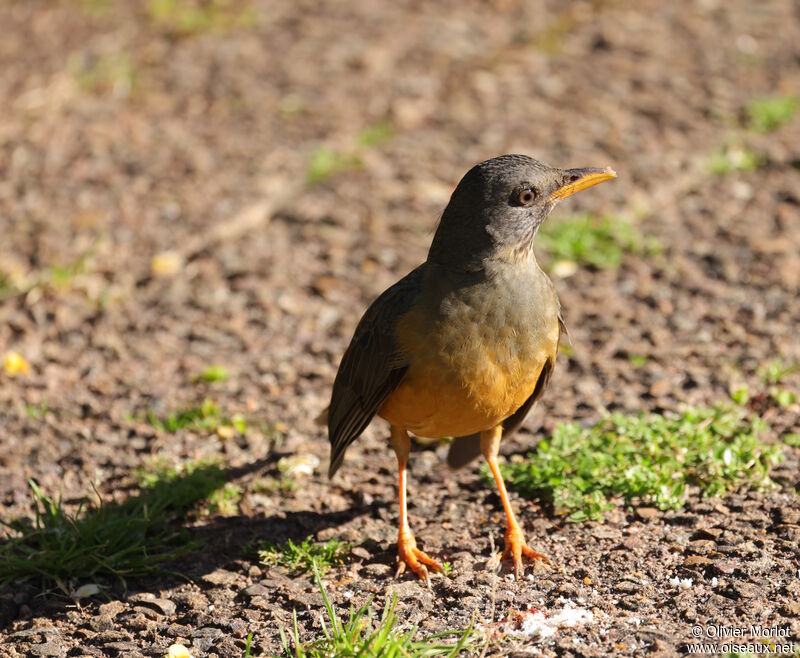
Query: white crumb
point(537, 625)
point(681, 583)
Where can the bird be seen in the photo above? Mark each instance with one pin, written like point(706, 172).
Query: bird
point(464, 344)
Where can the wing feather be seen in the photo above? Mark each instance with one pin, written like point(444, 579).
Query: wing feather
point(371, 368)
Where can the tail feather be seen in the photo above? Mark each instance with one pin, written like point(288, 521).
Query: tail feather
point(463, 450)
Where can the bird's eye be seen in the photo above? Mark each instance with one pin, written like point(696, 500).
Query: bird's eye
point(526, 197)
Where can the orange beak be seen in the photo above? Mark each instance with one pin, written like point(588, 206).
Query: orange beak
point(580, 179)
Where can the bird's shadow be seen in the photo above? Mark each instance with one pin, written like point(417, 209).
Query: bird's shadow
point(210, 546)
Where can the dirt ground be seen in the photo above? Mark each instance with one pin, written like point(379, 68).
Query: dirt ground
point(123, 138)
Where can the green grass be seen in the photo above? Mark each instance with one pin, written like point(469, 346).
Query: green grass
point(7, 288)
point(770, 113)
point(361, 636)
point(638, 360)
point(783, 397)
point(271, 485)
point(325, 161)
point(223, 497)
point(211, 374)
point(206, 417)
point(376, 134)
point(53, 277)
point(771, 374)
point(306, 555)
point(95, 7)
point(596, 241)
point(109, 72)
point(775, 371)
point(741, 394)
point(551, 39)
point(132, 538)
point(189, 17)
point(733, 158)
point(791, 440)
point(36, 411)
point(225, 500)
point(61, 276)
point(651, 458)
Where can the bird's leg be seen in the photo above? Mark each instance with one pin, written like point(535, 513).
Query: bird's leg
point(407, 551)
point(515, 546)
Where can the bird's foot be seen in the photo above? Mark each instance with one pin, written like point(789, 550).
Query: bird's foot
point(409, 555)
point(516, 548)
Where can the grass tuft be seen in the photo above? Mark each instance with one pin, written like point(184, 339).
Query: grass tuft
point(211, 374)
point(652, 458)
point(741, 394)
point(325, 162)
point(775, 371)
point(206, 417)
point(271, 485)
point(791, 440)
point(223, 497)
point(52, 278)
point(106, 73)
point(225, 500)
point(360, 636)
point(638, 360)
point(36, 411)
point(7, 287)
point(95, 7)
point(588, 240)
point(376, 134)
point(189, 17)
point(770, 113)
point(307, 555)
point(127, 539)
point(783, 397)
point(733, 158)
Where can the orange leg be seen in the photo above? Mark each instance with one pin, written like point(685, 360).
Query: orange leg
point(515, 546)
point(407, 551)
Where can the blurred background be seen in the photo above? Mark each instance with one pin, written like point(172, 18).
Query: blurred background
point(199, 198)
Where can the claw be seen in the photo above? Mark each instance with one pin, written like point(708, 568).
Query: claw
point(516, 548)
point(409, 555)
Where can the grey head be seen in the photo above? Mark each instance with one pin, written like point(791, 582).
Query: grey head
point(499, 205)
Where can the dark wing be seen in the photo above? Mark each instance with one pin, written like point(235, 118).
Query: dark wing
point(466, 448)
point(371, 368)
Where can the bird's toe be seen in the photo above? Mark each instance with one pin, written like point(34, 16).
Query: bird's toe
point(516, 548)
point(418, 561)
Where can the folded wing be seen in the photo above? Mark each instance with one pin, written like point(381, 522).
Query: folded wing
point(371, 368)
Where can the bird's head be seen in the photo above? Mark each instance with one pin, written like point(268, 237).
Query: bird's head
point(498, 206)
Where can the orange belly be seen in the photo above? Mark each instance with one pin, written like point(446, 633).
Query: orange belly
point(459, 386)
